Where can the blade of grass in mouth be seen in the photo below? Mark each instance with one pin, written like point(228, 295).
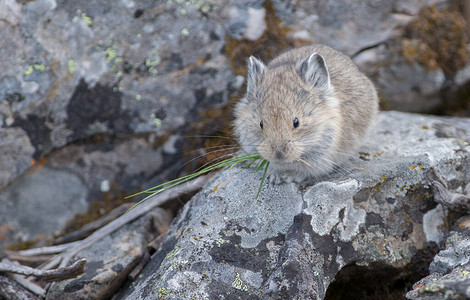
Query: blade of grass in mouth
point(247, 158)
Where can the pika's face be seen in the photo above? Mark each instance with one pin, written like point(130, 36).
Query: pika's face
point(285, 117)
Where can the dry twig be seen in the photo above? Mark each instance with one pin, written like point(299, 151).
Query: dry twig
point(92, 226)
point(72, 271)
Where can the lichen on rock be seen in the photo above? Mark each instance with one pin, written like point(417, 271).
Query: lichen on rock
point(293, 240)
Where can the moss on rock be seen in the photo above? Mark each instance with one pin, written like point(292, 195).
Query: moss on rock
point(436, 39)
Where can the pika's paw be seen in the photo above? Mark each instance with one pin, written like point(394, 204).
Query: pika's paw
point(285, 177)
point(279, 178)
point(276, 178)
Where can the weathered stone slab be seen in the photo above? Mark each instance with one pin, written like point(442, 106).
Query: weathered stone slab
point(293, 240)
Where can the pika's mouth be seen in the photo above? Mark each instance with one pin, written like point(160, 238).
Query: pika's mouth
point(284, 162)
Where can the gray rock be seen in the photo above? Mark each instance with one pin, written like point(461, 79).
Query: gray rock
point(16, 155)
point(26, 216)
point(292, 240)
point(419, 92)
point(111, 78)
point(112, 162)
point(345, 25)
point(450, 269)
point(111, 259)
point(10, 289)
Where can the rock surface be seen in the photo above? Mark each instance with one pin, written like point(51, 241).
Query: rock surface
point(450, 269)
point(30, 217)
point(293, 240)
point(12, 290)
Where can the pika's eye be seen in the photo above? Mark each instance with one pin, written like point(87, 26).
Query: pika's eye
point(261, 124)
point(296, 123)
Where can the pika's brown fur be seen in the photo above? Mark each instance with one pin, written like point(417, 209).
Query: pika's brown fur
point(305, 112)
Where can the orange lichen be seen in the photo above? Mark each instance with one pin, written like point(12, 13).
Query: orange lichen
point(465, 224)
point(379, 153)
point(417, 167)
point(37, 165)
point(215, 188)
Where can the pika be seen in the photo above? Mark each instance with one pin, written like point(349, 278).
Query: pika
point(305, 112)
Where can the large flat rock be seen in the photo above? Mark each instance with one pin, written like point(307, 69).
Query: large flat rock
point(294, 239)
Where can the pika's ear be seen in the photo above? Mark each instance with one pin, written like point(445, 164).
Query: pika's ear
point(314, 71)
point(256, 69)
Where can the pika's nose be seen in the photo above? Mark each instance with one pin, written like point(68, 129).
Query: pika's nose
point(279, 154)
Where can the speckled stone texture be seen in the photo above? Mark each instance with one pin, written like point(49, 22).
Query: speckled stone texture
point(450, 269)
point(292, 240)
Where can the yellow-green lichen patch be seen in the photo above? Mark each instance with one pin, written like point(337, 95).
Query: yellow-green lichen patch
point(110, 53)
point(176, 266)
point(238, 283)
point(185, 32)
point(220, 241)
point(157, 122)
point(173, 252)
point(151, 65)
point(39, 67)
point(436, 39)
point(29, 71)
point(35, 67)
point(86, 19)
point(71, 67)
point(162, 292)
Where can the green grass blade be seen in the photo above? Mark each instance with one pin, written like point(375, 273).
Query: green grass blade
point(260, 165)
point(264, 176)
point(248, 159)
point(227, 162)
